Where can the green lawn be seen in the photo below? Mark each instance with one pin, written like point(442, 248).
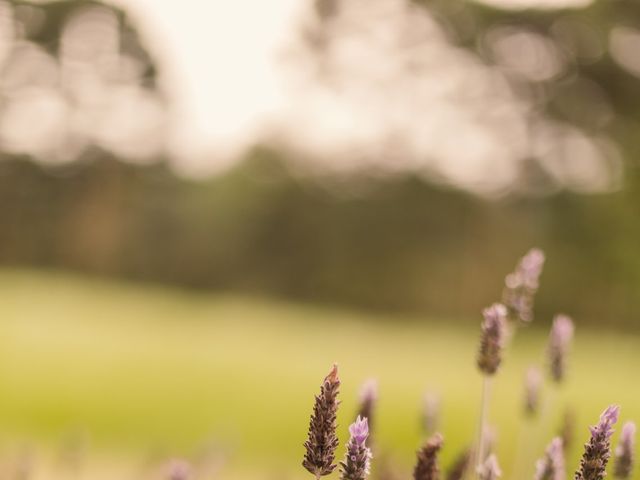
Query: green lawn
point(140, 370)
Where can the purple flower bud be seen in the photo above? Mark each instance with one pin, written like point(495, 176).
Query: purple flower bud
point(559, 343)
point(357, 461)
point(532, 384)
point(551, 466)
point(492, 338)
point(625, 451)
point(598, 450)
point(489, 470)
point(604, 428)
point(359, 430)
point(522, 285)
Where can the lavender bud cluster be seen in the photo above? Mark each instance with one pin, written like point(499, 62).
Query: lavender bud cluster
point(598, 449)
point(551, 466)
point(492, 338)
point(356, 465)
point(625, 451)
point(322, 440)
point(559, 343)
point(522, 285)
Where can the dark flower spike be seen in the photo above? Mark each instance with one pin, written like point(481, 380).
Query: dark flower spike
point(459, 468)
point(489, 470)
point(559, 343)
point(532, 384)
point(357, 462)
point(521, 286)
point(368, 398)
point(322, 441)
point(551, 466)
point(624, 451)
point(597, 450)
point(492, 338)
point(427, 464)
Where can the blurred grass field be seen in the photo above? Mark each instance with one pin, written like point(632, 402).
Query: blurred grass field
point(141, 369)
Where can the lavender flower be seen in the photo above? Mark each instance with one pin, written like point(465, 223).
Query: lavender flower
point(357, 461)
point(532, 383)
point(489, 470)
point(625, 450)
point(322, 442)
point(178, 470)
point(598, 450)
point(522, 285)
point(427, 465)
point(559, 343)
point(458, 469)
point(430, 412)
point(551, 466)
point(368, 398)
point(492, 338)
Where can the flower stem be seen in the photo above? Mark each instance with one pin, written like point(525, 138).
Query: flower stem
point(484, 408)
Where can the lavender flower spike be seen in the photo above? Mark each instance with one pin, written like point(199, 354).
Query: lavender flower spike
point(357, 461)
point(322, 442)
point(625, 450)
point(522, 285)
point(559, 343)
point(598, 450)
point(368, 398)
point(427, 465)
point(489, 470)
point(532, 384)
point(492, 338)
point(551, 466)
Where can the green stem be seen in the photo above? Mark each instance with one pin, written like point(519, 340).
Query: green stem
point(484, 408)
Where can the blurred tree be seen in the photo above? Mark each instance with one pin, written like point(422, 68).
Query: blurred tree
point(80, 69)
point(399, 244)
point(577, 62)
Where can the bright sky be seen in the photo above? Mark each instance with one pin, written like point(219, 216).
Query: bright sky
point(219, 61)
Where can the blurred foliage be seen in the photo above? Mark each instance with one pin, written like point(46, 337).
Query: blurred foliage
point(591, 89)
point(391, 243)
point(398, 244)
